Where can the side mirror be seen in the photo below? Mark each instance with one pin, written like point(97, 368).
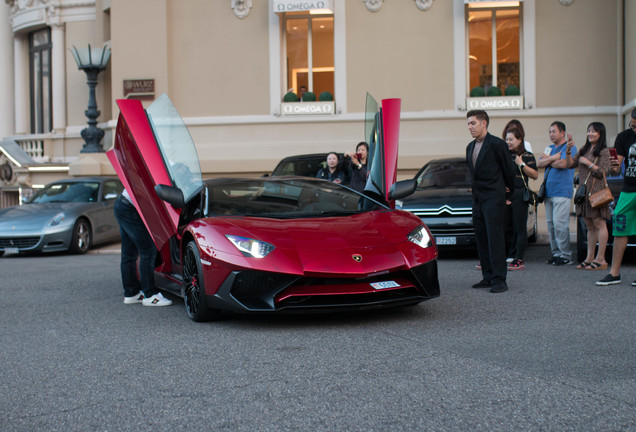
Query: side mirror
point(402, 189)
point(171, 195)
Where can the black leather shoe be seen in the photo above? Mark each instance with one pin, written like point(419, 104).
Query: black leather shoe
point(482, 284)
point(499, 288)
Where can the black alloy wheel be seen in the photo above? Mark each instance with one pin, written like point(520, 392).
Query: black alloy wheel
point(81, 239)
point(194, 297)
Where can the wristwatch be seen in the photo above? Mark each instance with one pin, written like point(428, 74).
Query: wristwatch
point(523, 164)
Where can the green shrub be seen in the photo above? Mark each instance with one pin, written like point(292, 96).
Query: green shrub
point(309, 97)
point(477, 92)
point(290, 97)
point(325, 96)
point(512, 90)
point(494, 91)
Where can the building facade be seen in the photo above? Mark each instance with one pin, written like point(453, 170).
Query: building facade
point(234, 68)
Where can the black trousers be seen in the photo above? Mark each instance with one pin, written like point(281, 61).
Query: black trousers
point(518, 221)
point(489, 223)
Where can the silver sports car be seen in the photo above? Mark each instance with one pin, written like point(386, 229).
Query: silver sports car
point(72, 214)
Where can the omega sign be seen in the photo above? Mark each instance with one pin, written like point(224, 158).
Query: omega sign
point(301, 5)
point(306, 108)
point(495, 103)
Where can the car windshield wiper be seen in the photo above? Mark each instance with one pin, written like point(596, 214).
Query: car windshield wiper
point(453, 185)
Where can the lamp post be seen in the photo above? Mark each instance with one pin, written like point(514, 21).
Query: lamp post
point(92, 61)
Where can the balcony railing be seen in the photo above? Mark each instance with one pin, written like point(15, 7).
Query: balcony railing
point(51, 147)
point(33, 145)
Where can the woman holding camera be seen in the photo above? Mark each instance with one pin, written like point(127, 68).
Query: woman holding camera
point(358, 166)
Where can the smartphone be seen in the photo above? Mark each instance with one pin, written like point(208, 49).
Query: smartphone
point(358, 156)
point(613, 153)
point(547, 150)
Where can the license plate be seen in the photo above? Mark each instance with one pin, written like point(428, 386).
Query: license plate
point(11, 250)
point(385, 285)
point(446, 240)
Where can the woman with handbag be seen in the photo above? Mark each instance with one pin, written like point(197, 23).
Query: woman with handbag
point(593, 161)
point(522, 196)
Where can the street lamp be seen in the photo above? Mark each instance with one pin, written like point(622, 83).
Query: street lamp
point(92, 61)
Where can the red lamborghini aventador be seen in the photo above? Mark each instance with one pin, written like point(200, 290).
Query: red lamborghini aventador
point(273, 244)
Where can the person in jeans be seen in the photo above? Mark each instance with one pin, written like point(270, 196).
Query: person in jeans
point(624, 217)
point(137, 243)
point(559, 185)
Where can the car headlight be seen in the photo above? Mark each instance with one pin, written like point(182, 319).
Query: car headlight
point(251, 247)
point(57, 219)
point(420, 237)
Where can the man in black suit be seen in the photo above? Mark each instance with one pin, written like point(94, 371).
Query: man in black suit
point(490, 164)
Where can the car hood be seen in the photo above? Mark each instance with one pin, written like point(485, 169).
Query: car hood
point(434, 198)
point(35, 215)
point(318, 244)
point(366, 230)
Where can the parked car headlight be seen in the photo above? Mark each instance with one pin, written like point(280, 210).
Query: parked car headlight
point(420, 237)
point(251, 247)
point(57, 219)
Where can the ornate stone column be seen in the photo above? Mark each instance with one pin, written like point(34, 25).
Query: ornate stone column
point(21, 84)
point(7, 121)
point(58, 66)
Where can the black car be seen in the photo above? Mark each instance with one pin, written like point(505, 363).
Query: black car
point(615, 183)
point(306, 165)
point(443, 200)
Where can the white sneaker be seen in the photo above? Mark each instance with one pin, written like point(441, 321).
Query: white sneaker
point(137, 298)
point(157, 300)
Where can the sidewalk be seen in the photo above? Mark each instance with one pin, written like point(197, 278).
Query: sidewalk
point(108, 248)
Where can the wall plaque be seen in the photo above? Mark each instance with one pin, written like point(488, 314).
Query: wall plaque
point(136, 88)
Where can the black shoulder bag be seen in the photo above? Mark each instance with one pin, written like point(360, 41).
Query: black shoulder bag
point(581, 191)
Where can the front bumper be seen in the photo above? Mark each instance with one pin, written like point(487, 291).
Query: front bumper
point(253, 291)
point(53, 241)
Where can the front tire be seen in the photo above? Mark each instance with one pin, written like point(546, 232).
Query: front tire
point(194, 297)
point(81, 239)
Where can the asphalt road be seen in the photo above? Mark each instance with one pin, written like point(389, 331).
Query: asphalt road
point(555, 353)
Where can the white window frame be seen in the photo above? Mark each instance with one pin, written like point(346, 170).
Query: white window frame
point(528, 54)
point(277, 67)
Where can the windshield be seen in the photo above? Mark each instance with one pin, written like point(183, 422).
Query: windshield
point(373, 137)
point(289, 198)
point(444, 174)
point(176, 146)
point(67, 192)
